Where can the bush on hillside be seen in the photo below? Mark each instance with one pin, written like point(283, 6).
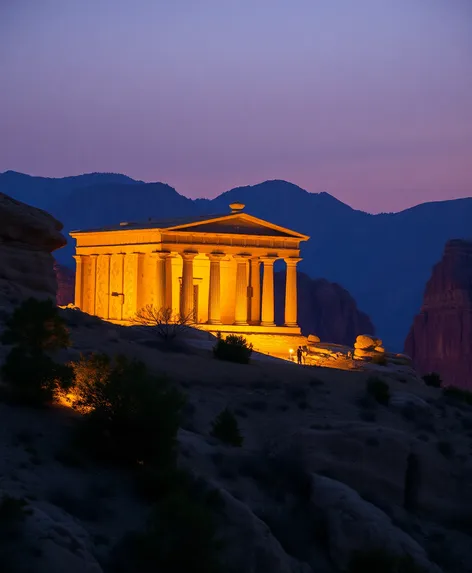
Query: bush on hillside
point(35, 330)
point(36, 325)
point(181, 534)
point(233, 348)
point(379, 390)
point(458, 394)
point(432, 379)
point(34, 377)
point(131, 417)
point(225, 428)
point(381, 561)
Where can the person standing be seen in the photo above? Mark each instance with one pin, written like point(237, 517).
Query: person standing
point(299, 355)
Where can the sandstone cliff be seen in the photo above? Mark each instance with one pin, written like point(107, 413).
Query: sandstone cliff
point(65, 284)
point(440, 338)
point(325, 309)
point(27, 238)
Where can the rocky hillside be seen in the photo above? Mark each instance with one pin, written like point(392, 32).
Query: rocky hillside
point(28, 236)
point(325, 470)
point(325, 309)
point(440, 338)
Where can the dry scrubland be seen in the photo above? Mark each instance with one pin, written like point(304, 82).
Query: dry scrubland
point(324, 470)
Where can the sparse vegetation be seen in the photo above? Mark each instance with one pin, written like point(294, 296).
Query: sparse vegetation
point(432, 379)
point(35, 330)
point(458, 395)
point(225, 428)
point(412, 482)
point(380, 560)
point(181, 533)
point(445, 448)
point(233, 348)
point(379, 389)
point(166, 324)
point(130, 416)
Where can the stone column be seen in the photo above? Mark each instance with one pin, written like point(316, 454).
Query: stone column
point(160, 279)
point(268, 292)
point(93, 283)
point(256, 290)
point(214, 295)
point(240, 309)
point(78, 280)
point(291, 292)
point(186, 298)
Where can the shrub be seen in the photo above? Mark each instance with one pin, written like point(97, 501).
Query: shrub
point(166, 324)
point(35, 328)
point(412, 482)
point(131, 416)
point(36, 324)
point(33, 376)
point(458, 394)
point(180, 534)
point(379, 390)
point(380, 360)
point(233, 348)
point(432, 379)
point(445, 448)
point(225, 428)
point(381, 561)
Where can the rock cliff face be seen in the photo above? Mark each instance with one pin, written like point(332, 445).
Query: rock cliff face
point(27, 238)
point(325, 309)
point(65, 284)
point(440, 338)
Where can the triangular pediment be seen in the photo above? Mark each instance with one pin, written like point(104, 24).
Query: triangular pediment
point(238, 224)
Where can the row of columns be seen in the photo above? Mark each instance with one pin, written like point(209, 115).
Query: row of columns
point(261, 309)
point(262, 312)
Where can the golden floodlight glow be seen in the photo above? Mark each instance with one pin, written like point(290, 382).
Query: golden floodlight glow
point(291, 350)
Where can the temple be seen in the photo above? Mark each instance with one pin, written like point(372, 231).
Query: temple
point(218, 270)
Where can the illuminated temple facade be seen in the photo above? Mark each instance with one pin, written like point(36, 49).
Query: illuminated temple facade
point(217, 269)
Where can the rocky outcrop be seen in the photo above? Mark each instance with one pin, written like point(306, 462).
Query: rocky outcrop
point(28, 236)
point(368, 347)
point(353, 524)
point(65, 284)
point(440, 338)
point(325, 309)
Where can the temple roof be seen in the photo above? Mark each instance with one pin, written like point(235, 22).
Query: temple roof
point(235, 222)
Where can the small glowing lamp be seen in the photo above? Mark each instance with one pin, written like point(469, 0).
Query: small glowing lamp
point(291, 350)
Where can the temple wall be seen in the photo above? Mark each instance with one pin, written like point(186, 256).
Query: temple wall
point(102, 286)
point(228, 290)
point(116, 286)
point(130, 285)
point(201, 278)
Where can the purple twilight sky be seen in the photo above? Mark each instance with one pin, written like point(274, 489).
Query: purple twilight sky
point(369, 100)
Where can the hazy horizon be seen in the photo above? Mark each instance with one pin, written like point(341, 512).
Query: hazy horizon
point(370, 102)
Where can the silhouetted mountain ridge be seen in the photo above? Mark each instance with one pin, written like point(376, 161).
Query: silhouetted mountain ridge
point(383, 260)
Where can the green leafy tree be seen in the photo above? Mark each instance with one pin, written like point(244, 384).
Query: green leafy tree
point(131, 416)
point(233, 348)
point(225, 428)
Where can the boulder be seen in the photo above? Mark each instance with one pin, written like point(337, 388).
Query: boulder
point(313, 339)
point(353, 524)
point(367, 342)
point(28, 236)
